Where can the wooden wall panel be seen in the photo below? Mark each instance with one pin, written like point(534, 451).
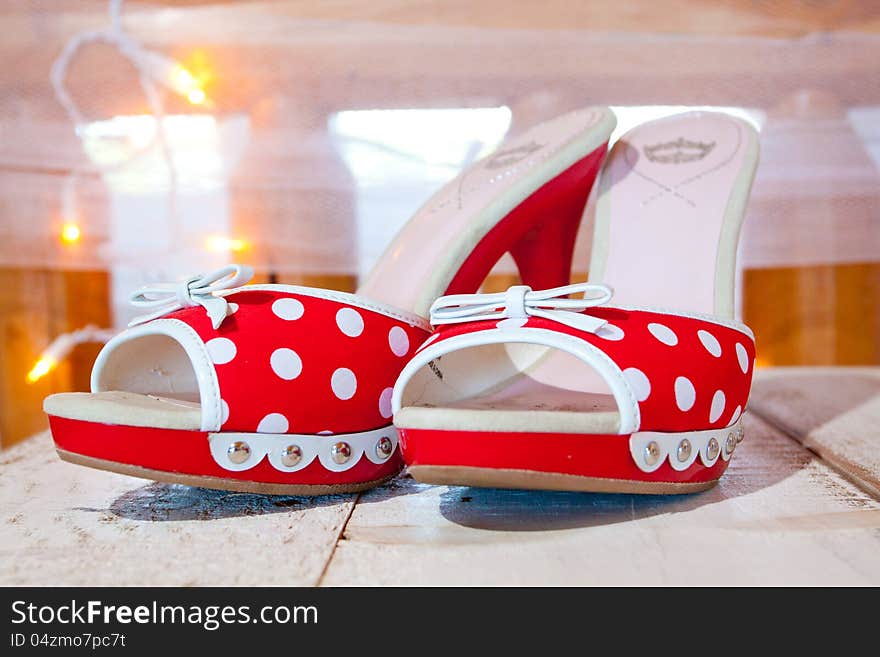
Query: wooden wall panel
point(35, 306)
point(819, 315)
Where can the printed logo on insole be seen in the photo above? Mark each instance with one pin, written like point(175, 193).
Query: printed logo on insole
point(478, 184)
point(510, 156)
point(678, 151)
point(676, 165)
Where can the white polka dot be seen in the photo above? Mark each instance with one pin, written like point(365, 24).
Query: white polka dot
point(350, 322)
point(639, 383)
point(610, 332)
point(742, 357)
point(398, 340)
point(221, 350)
point(325, 432)
point(224, 411)
point(273, 423)
point(288, 308)
point(736, 413)
point(710, 342)
point(286, 363)
point(663, 333)
point(385, 403)
point(344, 383)
point(512, 323)
point(685, 395)
point(718, 402)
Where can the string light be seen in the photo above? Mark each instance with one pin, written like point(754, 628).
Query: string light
point(223, 244)
point(70, 233)
point(175, 76)
point(183, 80)
point(196, 96)
point(154, 68)
point(70, 230)
point(61, 346)
point(42, 367)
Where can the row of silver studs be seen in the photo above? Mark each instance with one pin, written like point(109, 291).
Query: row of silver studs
point(243, 451)
point(683, 453)
point(681, 450)
point(239, 452)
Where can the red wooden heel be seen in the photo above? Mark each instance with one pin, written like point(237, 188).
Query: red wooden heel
point(539, 233)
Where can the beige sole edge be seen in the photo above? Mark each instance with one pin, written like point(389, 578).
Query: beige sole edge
point(460, 475)
point(218, 483)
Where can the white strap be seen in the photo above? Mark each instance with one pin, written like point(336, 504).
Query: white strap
point(431, 376)
point(520, 301)
point(159, 299)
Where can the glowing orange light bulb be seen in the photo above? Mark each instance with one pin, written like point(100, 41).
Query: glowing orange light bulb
point(222, 244)
point(196, 97)
point(70, 233)
point(41, 368)
point(187, 85)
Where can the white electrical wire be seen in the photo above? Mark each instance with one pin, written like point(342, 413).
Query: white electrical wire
point(62, 345)
point(143, 61)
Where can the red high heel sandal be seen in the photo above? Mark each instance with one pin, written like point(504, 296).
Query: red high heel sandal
point(284, 389)
point(532, 389)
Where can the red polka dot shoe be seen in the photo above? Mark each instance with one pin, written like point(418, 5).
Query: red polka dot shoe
point(287, 390)
point(532, 389)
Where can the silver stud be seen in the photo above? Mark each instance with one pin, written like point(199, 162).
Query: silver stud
point(384, 447)
point(340, 452)
point(238, 452)
point(684, 450)
point(730, 443)
point(740, 434)
point(712, 449)
point(652, 453)
point(291, 455)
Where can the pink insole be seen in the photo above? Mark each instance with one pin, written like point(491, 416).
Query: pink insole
point(667, 184)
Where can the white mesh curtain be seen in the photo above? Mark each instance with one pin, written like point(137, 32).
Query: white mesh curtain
point(282, 161)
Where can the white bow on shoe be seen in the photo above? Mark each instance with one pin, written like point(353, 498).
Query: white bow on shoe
point(163, 298)
point(520, 301)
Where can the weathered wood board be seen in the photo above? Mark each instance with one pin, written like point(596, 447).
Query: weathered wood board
point(833, 411)
point(780, 516)
point(61, 524)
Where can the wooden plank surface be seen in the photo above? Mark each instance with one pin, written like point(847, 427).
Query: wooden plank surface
point(835, 412)
point(780, 516)
point(65, 525)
